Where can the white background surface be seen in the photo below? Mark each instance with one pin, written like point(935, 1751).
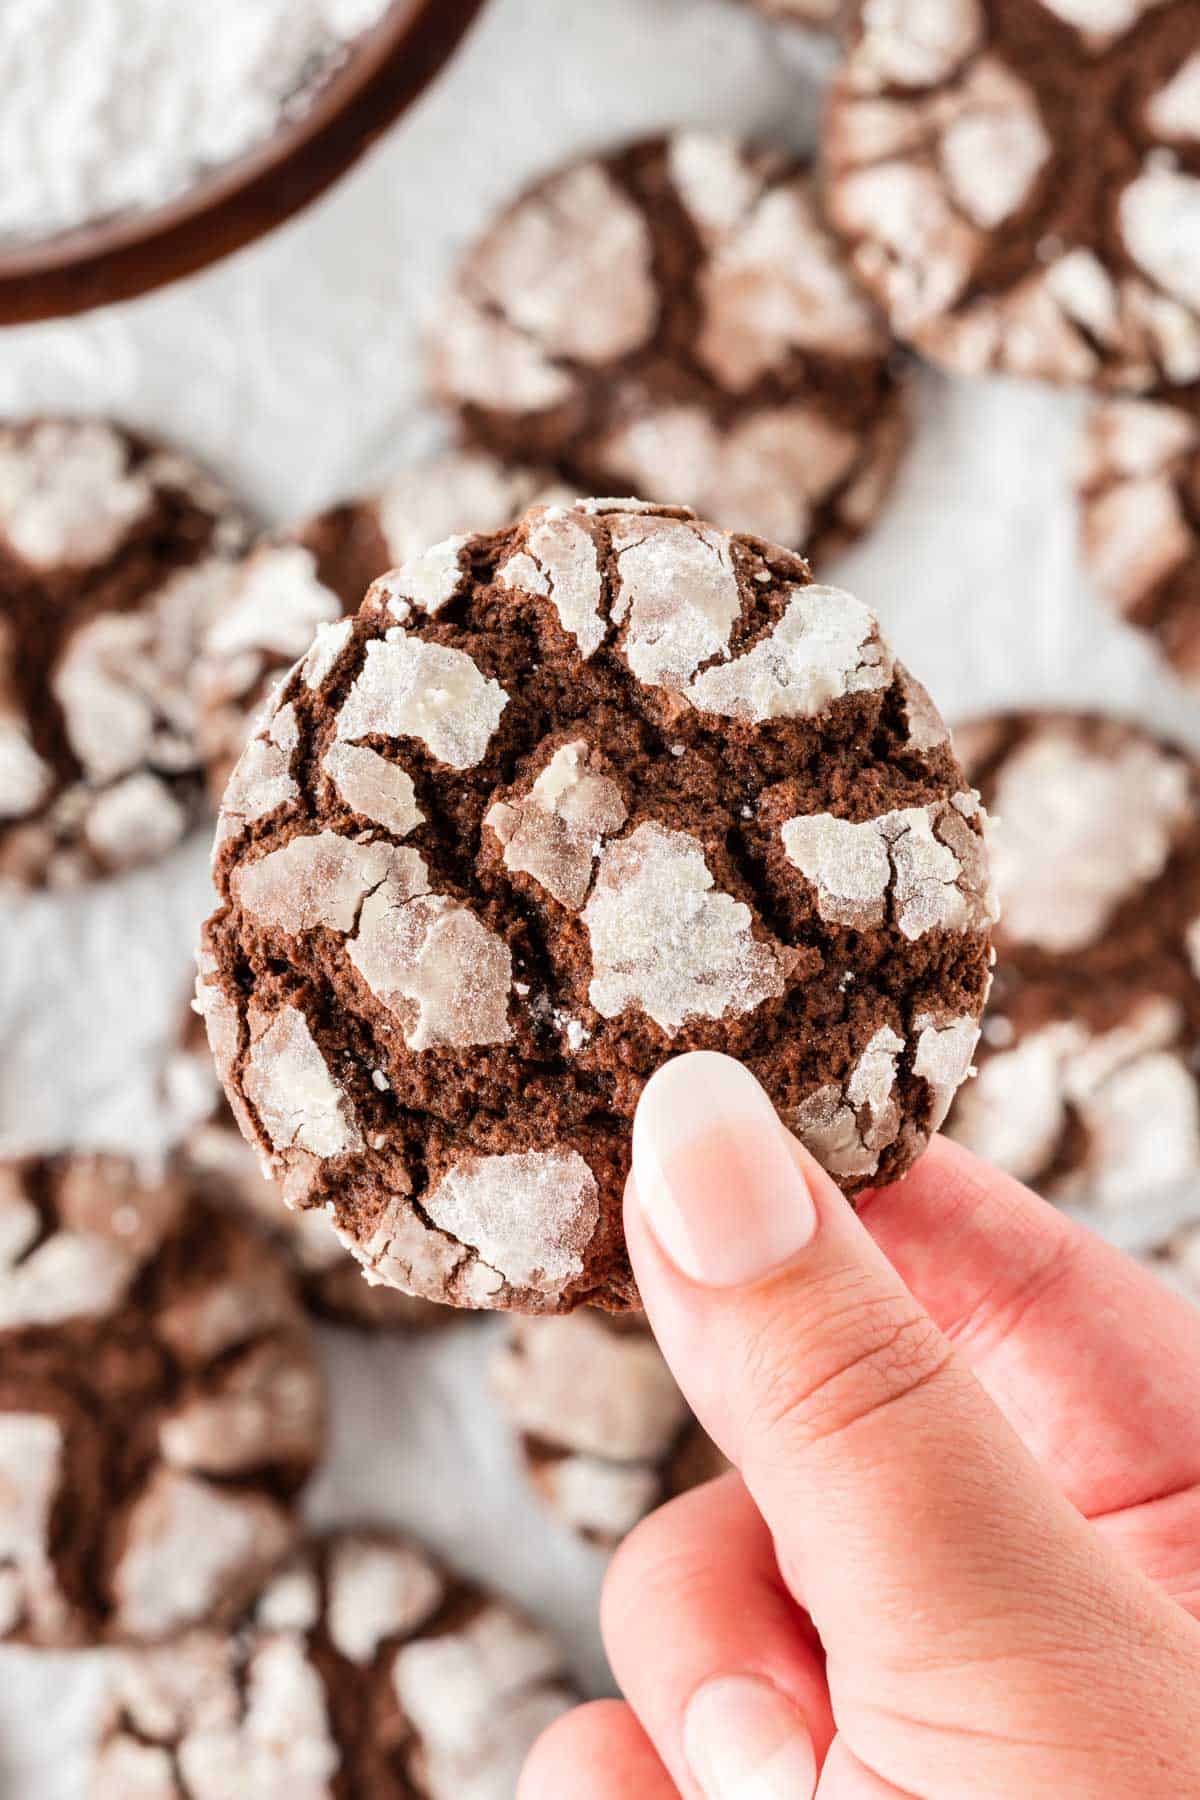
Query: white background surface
point(296, 370)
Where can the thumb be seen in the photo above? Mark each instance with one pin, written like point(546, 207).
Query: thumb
point(908, 1517)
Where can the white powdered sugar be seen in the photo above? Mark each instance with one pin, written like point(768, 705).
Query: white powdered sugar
point(318, 880)
point(927, 858)
point(559, 562)
point(430, 579)
point(1174, 111)
point(665, 940)
point(261, 780)
point(129, 102)
point(678, 592)
point(188, 1542)
point(945, 1047)
point(66, 496)
point(408, 688)
point(288, 1083)
point(826, 645)
point(574, 1382)
point(433, 964)
point(377, 1590)
point(1160, 222)
point(375, 787)
point(31, 1467)
point(556, 831)
point(530, 1215)
point(1080, 831)
point(601, 1499)
point(847, 1128)
point(464, 490)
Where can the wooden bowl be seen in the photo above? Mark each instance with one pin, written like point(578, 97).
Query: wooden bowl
point(117, 258)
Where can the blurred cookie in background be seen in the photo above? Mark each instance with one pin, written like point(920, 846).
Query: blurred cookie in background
point(217, 1158)
point(1139, 519)
point(363, 1668)
point(160, 1405)
point(1089, 1065)
point(321, 570)
point(1177, 1262)
point(827, 15)
point(113, 551)
point(605, 1433)
point(674, 320)
point(1019, 184)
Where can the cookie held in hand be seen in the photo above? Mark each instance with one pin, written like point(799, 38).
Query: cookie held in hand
point(561, 801)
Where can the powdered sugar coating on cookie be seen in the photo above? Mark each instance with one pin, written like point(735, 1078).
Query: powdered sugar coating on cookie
point(676, 319)
point(602, 751)
point(113, 557)
point(1138, 483)
point(960, 141)
point(130, 1311)
point(1087, 1068)
point(362, 1666)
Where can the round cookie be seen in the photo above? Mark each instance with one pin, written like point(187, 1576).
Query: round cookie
point(674, 320)
point(364, 1670)
point(604, 1432)
point(112, 551)
point(560, 802)
point(1089, 1072)
point(219, 1162)
point(1139, 512)
point(1019, 183)
point(160, 1405)
point(319, 571)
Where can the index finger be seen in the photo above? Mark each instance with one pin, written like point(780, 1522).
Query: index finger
point(1090, 1358)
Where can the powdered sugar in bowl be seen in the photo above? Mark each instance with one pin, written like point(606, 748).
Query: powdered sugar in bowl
point(142, 139)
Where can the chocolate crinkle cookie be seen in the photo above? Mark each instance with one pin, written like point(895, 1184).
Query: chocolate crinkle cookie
point(219, 1162)
point(1019, 182)
point(1139, 508)
point(160, 1405)
point(605, 1433)
point(560, 802)
point(675, 320)
point(112, 552)
point(363, 1670)
point(1088, 1082)
point(288, 586)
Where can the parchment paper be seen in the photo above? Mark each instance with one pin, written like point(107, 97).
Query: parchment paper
point(295, 368)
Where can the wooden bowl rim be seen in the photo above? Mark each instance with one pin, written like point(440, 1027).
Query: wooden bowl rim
point(118, 258)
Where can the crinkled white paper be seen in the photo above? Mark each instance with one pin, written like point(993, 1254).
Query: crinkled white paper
point(296, 369)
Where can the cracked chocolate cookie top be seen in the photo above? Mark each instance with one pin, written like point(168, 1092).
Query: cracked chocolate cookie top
point(364, 1670)
point(675, 320)
point(559, 802)
point(271, 607)
point(1139, 512)
point(1089, 1077)
point(219, 1162)
point(112, 552)
point(160, 1405)
point(605, 1433)
point(1019, 183)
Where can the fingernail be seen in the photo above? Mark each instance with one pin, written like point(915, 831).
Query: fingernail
point(744, 1741)
point(714, 1173)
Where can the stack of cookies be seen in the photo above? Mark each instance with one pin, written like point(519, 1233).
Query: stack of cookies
point(515, 793)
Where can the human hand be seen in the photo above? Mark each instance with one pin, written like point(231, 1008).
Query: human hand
point(960, 1555)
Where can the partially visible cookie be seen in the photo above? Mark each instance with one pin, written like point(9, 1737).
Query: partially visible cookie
point(363, 1670)
point(1139, 507)
point(321, 569)
point(1177, 1262)
point(219, 1161)
point(113, 551)
point(560, 802)
point(160, 1405)
point(1089, 1067)
point(824, 13)
point(674, 320)
point(1019, 183)
point(605, 1433)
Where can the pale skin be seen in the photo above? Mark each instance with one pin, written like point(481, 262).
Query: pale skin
point(959, 1555)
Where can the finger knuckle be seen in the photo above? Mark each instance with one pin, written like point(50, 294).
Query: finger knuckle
point(835, 1366)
